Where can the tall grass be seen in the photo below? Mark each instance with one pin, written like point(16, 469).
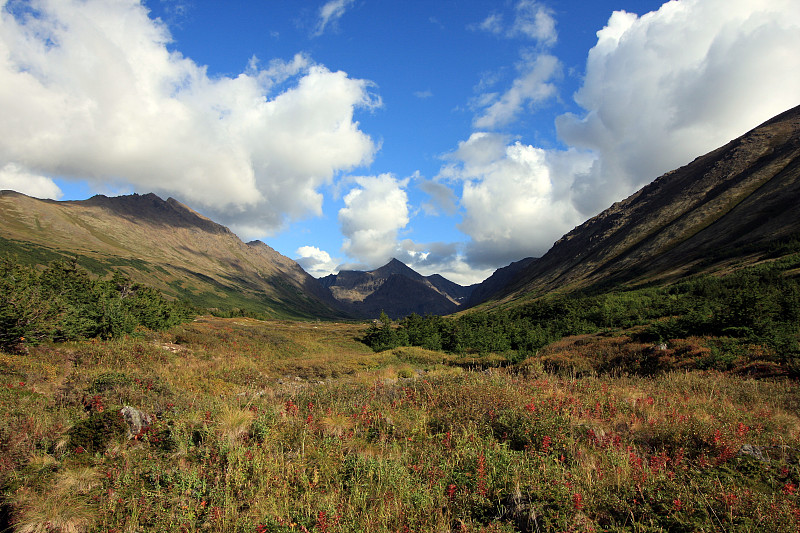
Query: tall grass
point(281, 426)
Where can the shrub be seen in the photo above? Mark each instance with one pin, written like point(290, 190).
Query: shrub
point(94, 433)
point(63, 302)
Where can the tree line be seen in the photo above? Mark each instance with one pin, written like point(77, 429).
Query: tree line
point(64, 302)
point(757, 305)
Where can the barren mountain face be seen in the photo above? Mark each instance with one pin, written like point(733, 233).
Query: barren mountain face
point(725, 208)
point(396, 290)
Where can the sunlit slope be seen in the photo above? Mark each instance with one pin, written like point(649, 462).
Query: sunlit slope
point(165, 244)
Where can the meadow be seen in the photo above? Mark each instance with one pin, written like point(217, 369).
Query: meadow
point(281, 426)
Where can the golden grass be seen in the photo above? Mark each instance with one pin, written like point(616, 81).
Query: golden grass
point(234, 423)
point(62, 511)
point(279, 423)
point(79, 479)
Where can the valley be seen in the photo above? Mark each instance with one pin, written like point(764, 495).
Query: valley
point(642, 375)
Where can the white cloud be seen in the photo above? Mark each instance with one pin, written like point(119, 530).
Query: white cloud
point(696, 74)
point(659, 90)
point(89, 90)
point(316, 262)
point(373, 214)
point(514, 204)
point(535, 21)
point(530, 20)
point(493, 24)
point(533, 86)
point(330, 13)
point(15, 178)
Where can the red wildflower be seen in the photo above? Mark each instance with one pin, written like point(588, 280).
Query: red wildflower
point(577, 500)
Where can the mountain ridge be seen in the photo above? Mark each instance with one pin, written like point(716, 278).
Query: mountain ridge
point(167, 245)
point(697, 218)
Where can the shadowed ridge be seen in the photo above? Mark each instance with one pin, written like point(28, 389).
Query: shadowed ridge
point(151, 209)
point(729, 205)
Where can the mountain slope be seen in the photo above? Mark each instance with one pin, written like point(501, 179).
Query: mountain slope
point(395, 289)
point(726, 207)
point(167, 245)
point(498, 281)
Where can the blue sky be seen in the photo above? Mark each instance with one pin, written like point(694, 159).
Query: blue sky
point(457, 136)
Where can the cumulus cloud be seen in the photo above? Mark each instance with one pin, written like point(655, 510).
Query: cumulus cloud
point(316, 262)
point(658, 91)
point(15, 178)
point(676, 83)
point(330, 13)
point(373, 214)
point(514, 203)
point(89, 90)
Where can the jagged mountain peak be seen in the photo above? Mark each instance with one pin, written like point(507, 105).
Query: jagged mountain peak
point(395, 266)
point(396, 289)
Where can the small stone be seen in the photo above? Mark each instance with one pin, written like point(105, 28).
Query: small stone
point(138, 421)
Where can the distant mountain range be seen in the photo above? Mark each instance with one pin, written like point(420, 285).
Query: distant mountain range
point(731, 207)
point(395, 289)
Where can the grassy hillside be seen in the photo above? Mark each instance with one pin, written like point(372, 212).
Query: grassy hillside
point(297, 426)
point(166, 245)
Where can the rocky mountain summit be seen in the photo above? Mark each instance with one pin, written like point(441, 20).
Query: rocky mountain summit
point(395, 289)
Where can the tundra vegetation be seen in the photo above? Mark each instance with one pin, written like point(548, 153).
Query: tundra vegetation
point(656, 409)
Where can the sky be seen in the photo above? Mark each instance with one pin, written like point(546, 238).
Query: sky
point(455, 136)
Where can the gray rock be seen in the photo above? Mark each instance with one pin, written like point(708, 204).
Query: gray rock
point(138, 421)
point(765, 454)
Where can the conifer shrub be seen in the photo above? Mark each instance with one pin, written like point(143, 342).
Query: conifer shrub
point(64, 302)
point(93, 434)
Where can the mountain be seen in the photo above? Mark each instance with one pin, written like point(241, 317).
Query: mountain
point(167, 245)
point(498, 281)
point(395, 289)
point(727, 208)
